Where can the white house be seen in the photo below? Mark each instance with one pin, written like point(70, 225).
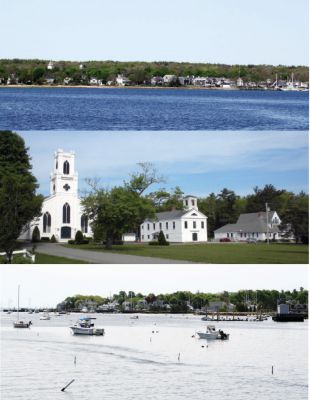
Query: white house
point(50, 65)
point(121, 80)
point(187, 225)
point(251, 225)
point(169, 79)
point(62, 213)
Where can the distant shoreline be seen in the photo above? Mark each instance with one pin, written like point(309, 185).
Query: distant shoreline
point(129, 87)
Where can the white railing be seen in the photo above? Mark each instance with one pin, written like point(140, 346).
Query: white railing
point(25, 253)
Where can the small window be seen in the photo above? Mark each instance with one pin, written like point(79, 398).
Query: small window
point(154, 226)
point(194, 224)
point(228, 235)
point(66, 169)
point(84, 223)
point(47, 222)
point(202, 224)
point(241, 234)
point(186, 202)
point(245, 235)
point(193, 202)
point(148, 227)
point(185, 224)
point(160, 225)
point(148, 236)
point(167, 236)
point(167, 225)
point(257, 234)
point(142, 226)
point(142, 237)
point(173, 224)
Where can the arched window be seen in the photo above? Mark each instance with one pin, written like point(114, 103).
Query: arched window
point(66, 214)
point(66, 168)
point(47, 222)
point(84, 223)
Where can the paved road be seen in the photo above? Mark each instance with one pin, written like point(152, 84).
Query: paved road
point(98, 257)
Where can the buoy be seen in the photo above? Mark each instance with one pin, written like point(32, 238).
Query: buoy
point(64, 388)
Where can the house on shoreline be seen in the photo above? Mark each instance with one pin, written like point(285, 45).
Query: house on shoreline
point(251, 226)
point(179, 226)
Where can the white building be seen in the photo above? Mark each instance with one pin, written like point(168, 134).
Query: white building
point(251, 225)
point(169, 79)
point(121, 80)
point(50, 65)
point(62, 213)
point(187, 225)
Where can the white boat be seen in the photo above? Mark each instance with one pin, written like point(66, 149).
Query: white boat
point(212, 333)
point(84, 326)
point(45, 316)
point(18, 323)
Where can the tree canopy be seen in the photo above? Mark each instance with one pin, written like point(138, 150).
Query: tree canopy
point(19, 203)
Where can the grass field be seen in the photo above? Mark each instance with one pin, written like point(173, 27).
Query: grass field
point(216, 253)
point(47, 259)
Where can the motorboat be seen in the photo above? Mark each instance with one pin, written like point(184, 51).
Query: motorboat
point(212, 333)
point(45, 316)
point(135, 317)
point(85, 326)
point(18, 323)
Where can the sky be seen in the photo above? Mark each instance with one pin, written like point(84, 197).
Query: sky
point(199, 162)
point(46, 286)
point(216, 31)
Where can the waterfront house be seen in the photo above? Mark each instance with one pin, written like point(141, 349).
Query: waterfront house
point(169, 79)
point(215, 306)
point(50, 80)
point(157, 81)
point(50, 65)
point(186, 225)
point(121, 80)
point(251, 226)
point(62, 212)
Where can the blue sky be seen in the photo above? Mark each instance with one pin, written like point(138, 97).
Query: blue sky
point(223, 31)
point(198, 162)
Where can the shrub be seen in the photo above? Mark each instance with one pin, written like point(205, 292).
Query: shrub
point(35, 235)
point(79, 238)
point(45, 239)
point(162, 240)
point(53, 239)
point(118, 241)
point(71, 241)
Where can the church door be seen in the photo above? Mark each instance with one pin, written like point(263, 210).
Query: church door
point(65, 232)
point(195, 237)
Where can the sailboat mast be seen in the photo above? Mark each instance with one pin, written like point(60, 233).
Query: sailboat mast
point(18, 304)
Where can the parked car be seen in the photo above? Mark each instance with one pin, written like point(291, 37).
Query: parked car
point(252, 240)
point(225, 240)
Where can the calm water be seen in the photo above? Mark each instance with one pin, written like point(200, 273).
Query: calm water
point(147, 109)
point(131, 362)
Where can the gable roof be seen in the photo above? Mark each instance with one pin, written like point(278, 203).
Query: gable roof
point(251, 222)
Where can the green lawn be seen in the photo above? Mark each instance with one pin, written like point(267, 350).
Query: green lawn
point(47, 259)
point(216, 253)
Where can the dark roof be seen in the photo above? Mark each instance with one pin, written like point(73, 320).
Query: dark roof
point(251, 222)
point(174, 214)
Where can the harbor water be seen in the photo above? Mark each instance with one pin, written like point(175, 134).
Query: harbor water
point(151, 109)
point(152, 357)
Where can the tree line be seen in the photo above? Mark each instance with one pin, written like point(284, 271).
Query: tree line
point(244, 300)
point(36, 72)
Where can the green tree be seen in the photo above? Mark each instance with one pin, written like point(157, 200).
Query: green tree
point(79, 238)
point(35, 235)
point(19, 204)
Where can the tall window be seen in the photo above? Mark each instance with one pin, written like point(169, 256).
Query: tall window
point(194, 224)
point(66, 168)
point(173, 224)
point(66, 214)
point(84, 223)
point(47, 222)
point(202, 224)
point(185, 224)
point(167, 225)
point(154, 226)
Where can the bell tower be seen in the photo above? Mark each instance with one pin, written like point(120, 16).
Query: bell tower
point(64, 179)
point(190, 203)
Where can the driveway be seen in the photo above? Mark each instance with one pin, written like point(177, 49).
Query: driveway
point(98, 257)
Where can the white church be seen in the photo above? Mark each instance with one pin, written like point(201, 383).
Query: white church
point(62, 213)
point(179, 226)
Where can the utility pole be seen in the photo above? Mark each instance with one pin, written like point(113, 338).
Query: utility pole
point(267, 209)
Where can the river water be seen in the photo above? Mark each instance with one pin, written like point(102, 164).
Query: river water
point(151, 109)
point(138, 360)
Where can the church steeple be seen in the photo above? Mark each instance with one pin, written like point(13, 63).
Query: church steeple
point(64, 179)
